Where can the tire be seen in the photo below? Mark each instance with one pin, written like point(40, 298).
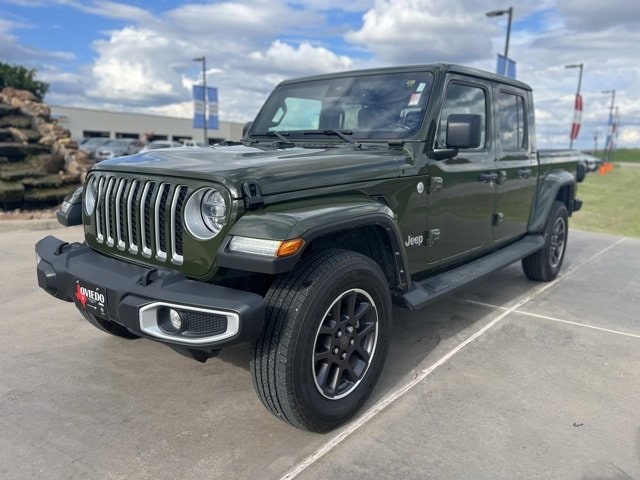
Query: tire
point(308, 369)
point(544, 265)
point(112, 328)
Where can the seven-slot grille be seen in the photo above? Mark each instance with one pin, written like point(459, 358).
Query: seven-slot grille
point(142, 217)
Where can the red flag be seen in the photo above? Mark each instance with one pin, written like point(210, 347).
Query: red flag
point(577, 117)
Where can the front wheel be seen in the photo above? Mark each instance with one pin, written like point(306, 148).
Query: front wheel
point(325, 340)
point(545, 264)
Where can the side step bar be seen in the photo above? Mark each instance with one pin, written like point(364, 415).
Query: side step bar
point(431, 289)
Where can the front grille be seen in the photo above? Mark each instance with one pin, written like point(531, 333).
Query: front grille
point(141, 217)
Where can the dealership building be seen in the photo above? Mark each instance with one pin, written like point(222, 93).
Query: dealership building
point(87, 122)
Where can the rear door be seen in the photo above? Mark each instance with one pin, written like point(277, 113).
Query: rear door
point(515, 163)
point(461, 197)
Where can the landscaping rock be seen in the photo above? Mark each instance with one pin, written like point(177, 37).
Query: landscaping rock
point(18, 121)
point(39, 162)
point(21, 150)
point(6, 109)
point(47, 196)
point(48, 181)
point(11, 193)
point(5, 135)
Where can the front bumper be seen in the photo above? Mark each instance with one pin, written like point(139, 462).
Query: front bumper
point(136, 295)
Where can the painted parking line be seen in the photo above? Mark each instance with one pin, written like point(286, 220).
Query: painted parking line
point(353, 426)
point(554, 319)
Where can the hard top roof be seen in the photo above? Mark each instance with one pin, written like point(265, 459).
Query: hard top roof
point(442, 67)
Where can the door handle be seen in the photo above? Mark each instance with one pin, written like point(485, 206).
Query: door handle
point(524, 172)
point(489, 177)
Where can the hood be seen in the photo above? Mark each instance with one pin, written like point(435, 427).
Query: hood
point(277, 170)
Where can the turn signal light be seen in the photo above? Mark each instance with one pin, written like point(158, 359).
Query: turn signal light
point(289, 247)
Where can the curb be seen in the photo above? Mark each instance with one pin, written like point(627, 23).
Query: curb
point(34, 224)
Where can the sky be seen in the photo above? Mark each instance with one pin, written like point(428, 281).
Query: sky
point(137, 56)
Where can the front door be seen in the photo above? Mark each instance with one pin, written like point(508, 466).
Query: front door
point(462, 189)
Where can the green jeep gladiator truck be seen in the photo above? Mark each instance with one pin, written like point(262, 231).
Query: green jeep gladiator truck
point(349, 193)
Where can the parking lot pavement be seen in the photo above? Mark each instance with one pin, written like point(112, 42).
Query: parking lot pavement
point(489, 383)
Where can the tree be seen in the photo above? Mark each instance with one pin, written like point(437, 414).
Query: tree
point(22, 78)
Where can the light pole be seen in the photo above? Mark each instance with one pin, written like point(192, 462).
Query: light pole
point(203, 59)
point(609, 143)
point(581, 67)
point(497, 13)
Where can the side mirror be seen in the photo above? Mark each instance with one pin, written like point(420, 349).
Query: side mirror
point(246, 128)
point(463, 130)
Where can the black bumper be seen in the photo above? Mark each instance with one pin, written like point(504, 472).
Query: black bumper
point(129, 288)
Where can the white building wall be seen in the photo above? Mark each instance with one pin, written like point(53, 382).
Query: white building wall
point(80, 120)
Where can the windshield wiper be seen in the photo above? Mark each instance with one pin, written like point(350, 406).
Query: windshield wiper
point(282, 142)
point(281, 136)
point(343, 135)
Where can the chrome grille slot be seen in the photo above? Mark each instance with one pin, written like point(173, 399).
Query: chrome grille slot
point(158, 224)
point(179, 194)
point(141, 217)
point(145, 221)
point(119, 209)
point(132, 218)
point(100, 212)
point(108, 212)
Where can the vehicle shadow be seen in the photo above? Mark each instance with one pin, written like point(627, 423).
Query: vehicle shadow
point(419, 338)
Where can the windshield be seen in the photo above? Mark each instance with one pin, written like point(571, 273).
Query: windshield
point(390, 105)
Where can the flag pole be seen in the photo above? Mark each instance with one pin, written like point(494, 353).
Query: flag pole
point(203, 59)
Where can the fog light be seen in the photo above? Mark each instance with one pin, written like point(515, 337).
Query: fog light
point(169, 320)
point(175, 319)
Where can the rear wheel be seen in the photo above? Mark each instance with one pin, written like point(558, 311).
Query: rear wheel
point(545, 264)
point(325, 340)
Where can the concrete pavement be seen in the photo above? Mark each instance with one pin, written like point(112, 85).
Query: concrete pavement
point(506, 379)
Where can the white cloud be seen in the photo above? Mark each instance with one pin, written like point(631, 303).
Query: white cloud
point(107, 8)
point(133, 66)
point(251, 45)
point(150, 66)
point(302, 60)
point(424, 31)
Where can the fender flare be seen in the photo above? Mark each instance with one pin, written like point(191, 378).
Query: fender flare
point(546, 194)
point(310, 220)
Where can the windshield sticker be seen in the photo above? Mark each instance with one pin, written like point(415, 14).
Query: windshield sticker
point(420, 88)
point(410, 83)
point(415, 99)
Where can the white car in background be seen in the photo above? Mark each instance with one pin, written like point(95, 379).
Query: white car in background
point(157, 144)
point(118, 148)
point(590, 162)
point(192, 143)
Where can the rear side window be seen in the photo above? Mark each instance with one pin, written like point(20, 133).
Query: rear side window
point(462, 98)
point(512, 122)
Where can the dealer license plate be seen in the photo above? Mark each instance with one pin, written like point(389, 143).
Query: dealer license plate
point(91, 298)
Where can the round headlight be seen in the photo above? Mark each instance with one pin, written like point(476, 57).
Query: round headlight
point(205, 213)
point(90, 195)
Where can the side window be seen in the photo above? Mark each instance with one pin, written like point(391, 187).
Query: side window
point(512, 122)
point(463, 99)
